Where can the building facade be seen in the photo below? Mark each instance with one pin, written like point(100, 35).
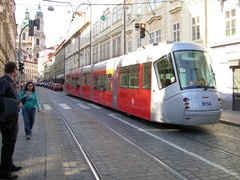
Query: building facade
point(8, 33)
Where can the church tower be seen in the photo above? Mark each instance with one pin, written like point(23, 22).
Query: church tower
point(25, 41)
point(39, 37)
point(30, 46)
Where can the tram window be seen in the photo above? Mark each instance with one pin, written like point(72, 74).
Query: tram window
point(102, 82)
point(133, 76)
point(96, 84)
point(86, 79)
point(68, 79)
point(124, 74)
point(78, 82)
point(129, 76)
point(74, 82)
point(164, 71)
point(146, 84)
point(108, 82)
point(194, 67)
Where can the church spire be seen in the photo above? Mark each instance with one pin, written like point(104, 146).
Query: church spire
point(39, 13)
point(27, 15)
point(26, 19)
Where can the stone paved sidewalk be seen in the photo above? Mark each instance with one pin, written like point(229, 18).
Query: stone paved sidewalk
point(40, 156)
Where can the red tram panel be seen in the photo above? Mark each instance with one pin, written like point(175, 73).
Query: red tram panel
point(103, 95)
point(86, 82)
point(134, 99)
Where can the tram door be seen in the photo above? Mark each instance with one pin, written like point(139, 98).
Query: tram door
point(236, 89)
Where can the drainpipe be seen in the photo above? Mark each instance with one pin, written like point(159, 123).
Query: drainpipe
point(206, 21)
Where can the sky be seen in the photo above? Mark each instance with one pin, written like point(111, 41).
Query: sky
point(56, 22)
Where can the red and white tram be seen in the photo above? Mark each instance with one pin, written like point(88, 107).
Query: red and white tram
point(168, 83)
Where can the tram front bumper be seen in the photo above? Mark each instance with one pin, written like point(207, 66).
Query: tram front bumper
point(202, 117)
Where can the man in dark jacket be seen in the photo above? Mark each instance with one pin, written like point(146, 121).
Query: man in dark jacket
point(8, 125)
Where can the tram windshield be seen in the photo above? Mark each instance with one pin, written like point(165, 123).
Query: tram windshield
point(194, 69)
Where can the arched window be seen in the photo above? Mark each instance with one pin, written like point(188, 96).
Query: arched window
point(37, 41)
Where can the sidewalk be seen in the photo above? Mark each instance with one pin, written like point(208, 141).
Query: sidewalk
point(230, 117)
point(40, 156)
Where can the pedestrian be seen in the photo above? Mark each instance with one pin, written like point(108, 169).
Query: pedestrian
point(21, 85)
point(30, 103)
point(9, 127)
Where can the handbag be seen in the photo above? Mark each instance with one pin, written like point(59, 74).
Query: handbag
point(24, 100)
point(8, 109)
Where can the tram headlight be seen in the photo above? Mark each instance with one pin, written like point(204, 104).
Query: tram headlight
point(186, 103)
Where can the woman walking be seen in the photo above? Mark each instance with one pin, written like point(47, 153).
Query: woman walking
point(30, 103)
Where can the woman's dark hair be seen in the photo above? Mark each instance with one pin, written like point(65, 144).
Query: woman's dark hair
point(10, 67)
point(29, 82)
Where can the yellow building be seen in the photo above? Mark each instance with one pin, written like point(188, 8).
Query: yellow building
point(8, 33)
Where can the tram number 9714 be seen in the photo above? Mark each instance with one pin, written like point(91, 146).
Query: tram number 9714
point(206, 104)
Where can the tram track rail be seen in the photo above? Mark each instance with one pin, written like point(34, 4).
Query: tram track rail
point(79, 144)
point(90, 162)
point(155, 158)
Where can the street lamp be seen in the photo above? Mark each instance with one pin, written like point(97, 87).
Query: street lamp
point(50, 8)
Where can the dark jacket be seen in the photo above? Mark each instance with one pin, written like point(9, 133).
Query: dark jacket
point(8, 102)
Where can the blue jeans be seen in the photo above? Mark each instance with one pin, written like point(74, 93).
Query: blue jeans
point(29, 118)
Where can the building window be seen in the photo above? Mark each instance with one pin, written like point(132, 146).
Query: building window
point(119, 12)
point(96, 28)
point(108, 50)
point(139, 8)
point(104, 51)
point(38, 27)
point(114, 47)
point(152, 38)
point(129, 46)
point(104, 23)
point(119, 46)
point(139, 44)
point(154, 4)
point(101, 26)
point(94, 55)
point(230, 17)
point(158, 36)
point(37, 41)
point(108, 19)
point(129, 15)
point(114, 15)
point(101, 52)
point(195, 28)
point(176, 32)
